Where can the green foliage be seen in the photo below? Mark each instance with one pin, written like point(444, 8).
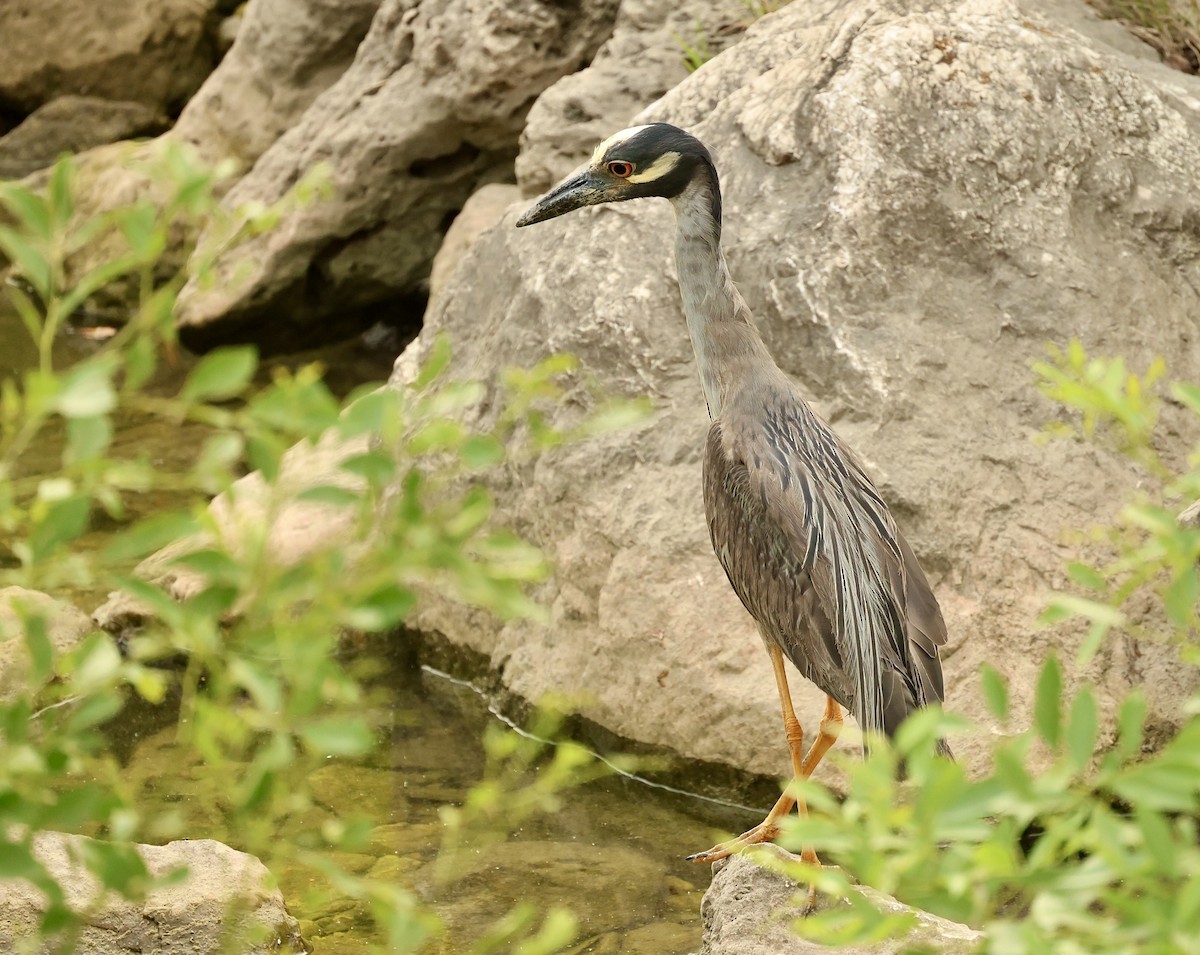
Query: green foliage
point(1075, 839)
point(698, 50)
point(1152, 555)
point(263, 686)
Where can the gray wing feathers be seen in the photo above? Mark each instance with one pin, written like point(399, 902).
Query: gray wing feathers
point(814, 555)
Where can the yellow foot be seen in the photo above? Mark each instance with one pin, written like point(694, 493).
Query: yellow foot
point(765, 831)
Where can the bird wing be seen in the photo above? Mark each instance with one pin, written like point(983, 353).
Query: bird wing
point(816, 558)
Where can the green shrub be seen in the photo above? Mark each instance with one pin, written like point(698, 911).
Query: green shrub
point(263, 683)
point(1063, 845)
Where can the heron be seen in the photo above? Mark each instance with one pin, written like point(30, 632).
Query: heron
point(806, 540)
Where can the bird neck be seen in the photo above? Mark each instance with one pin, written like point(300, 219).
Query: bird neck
point(724, 338)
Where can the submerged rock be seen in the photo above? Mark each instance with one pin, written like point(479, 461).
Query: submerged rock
point(65, 624)
point(224, 904)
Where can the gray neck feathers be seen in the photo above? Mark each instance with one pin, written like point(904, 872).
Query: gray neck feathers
point(719, 322)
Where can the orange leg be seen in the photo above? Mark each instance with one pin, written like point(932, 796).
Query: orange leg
point(802, 768)
point(768, 829)
point(831, 728)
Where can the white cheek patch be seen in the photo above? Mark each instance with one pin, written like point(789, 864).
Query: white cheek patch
point(614, 139)
point(657, 169)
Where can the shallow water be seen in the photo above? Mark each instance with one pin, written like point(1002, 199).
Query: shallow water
point(613, 854)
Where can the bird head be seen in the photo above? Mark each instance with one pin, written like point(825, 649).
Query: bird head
point(654, 160)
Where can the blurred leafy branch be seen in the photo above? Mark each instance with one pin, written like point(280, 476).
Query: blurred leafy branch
point(264, 687)
point(1076, 838)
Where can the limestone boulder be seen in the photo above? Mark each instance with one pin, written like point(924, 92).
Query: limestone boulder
point(479, 213)
point(225, 903)
point(641, 61)
point(749, 910)
point(155, 52)
point(73, 124)
point(286, 53)
point(412, 128)
point(65, 627)
point(253, 510)
point(918, 198)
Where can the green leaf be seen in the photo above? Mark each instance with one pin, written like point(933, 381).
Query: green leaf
point(1131, 720)
point(87, 389)
point(33, 265)
point(221, 374)
point(330, 494)
point(1189, 395)
point(369, 413)
point(264, 452)
point(99, 708)
point(383, 610)
point(377, 468)
point(148, 535)
point(16, 861)
point(87, 439)
point(28, 208)
point(443, 434)
point(94, 663)
point(1181, 597)
point(37, 642)
point(1082, 727)
point(60, 192)
point(435, 364)
point(119, 867)
point(481, 451)
point(1086, 575)
point(216, 565)
point(995, 691)
point(1047, 707)
point(337, 736)
point(57, 522)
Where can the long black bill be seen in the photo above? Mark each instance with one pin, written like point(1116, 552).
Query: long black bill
point(576, 191)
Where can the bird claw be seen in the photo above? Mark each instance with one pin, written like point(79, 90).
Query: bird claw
point(763, 832)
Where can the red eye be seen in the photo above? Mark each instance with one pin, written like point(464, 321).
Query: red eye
point(622, 170)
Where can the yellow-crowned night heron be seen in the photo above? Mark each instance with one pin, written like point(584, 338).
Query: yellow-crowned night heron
point(805, 539)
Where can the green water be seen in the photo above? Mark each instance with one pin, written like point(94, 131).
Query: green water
point(613, 854)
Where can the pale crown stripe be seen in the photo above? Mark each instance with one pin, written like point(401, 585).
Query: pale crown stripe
point(657, 169)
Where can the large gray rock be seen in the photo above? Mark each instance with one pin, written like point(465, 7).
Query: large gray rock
point(409, 131)
point(287, 52)
point(155, 52)
point(479, 213)
point(65, 627)
point(749, 910)
point(642, 59)
point(224, 904)
point(918, 198)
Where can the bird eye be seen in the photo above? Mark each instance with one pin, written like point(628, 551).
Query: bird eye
point(622, 170)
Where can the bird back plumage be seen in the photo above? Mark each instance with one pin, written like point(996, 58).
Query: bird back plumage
point(816, 557)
